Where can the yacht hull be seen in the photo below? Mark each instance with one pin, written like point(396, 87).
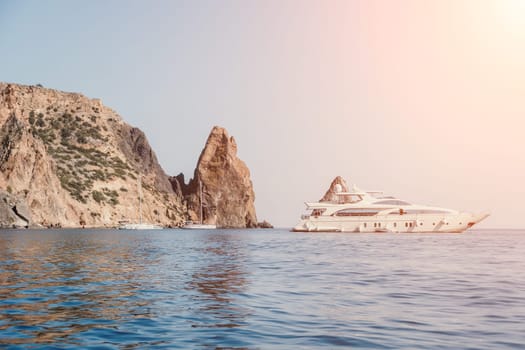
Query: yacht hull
point(199, 227)
point(453, 223)
point(140, 227)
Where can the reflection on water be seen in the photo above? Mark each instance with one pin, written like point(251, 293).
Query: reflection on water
point(66, 286)
point(251, 289)
point(219, 276)
point(53, 286)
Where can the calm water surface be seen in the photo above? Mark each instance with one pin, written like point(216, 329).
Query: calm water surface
point(261, 289)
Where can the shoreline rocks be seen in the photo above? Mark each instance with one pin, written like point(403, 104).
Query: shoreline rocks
point(264, 224)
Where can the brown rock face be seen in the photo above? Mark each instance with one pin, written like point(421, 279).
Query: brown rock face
point(227, 191)
point(264, 224)
point(75, 162)
point(13, 211)
point(330, 195)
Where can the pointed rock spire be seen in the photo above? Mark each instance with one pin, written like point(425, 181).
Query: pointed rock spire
point(228, 196)
point(330, 195)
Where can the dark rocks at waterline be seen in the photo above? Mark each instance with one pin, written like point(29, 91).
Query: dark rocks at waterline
point(264, 224)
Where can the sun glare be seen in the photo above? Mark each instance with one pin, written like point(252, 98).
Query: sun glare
point(512, 14)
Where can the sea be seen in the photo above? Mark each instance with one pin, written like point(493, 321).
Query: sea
point(261, 289)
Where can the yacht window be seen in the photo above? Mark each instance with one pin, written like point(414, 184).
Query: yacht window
point(399, 211)
point(393, 202)
point(356, 212)
point(318, 212)
point(348, 198)
point(424, 211)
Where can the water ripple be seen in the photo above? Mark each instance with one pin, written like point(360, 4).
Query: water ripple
point(271, 289)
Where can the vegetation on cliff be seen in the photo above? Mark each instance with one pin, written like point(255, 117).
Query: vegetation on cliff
point(70, 161)
point(70, 140)
point(75, 161)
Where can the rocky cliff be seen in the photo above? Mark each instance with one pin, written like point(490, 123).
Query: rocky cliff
point(330, 195)
point(73, 161)
point(227, 191)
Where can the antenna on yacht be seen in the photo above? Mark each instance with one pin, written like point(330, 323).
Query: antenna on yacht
point(140, 197)
point(200, 200)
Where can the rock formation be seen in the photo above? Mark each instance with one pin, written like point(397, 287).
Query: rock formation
point(227, 192)
point(330, 195)
point(14, 212)
point(72, 162)
point(264, 224)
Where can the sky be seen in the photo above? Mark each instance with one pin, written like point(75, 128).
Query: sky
point(422, 99)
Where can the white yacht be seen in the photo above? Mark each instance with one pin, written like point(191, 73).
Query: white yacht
point(139, 226)
point(190, 225)
point(370, 211)
point(125, 225)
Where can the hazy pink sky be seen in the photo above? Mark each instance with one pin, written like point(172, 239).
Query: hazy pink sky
point(423, 99)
